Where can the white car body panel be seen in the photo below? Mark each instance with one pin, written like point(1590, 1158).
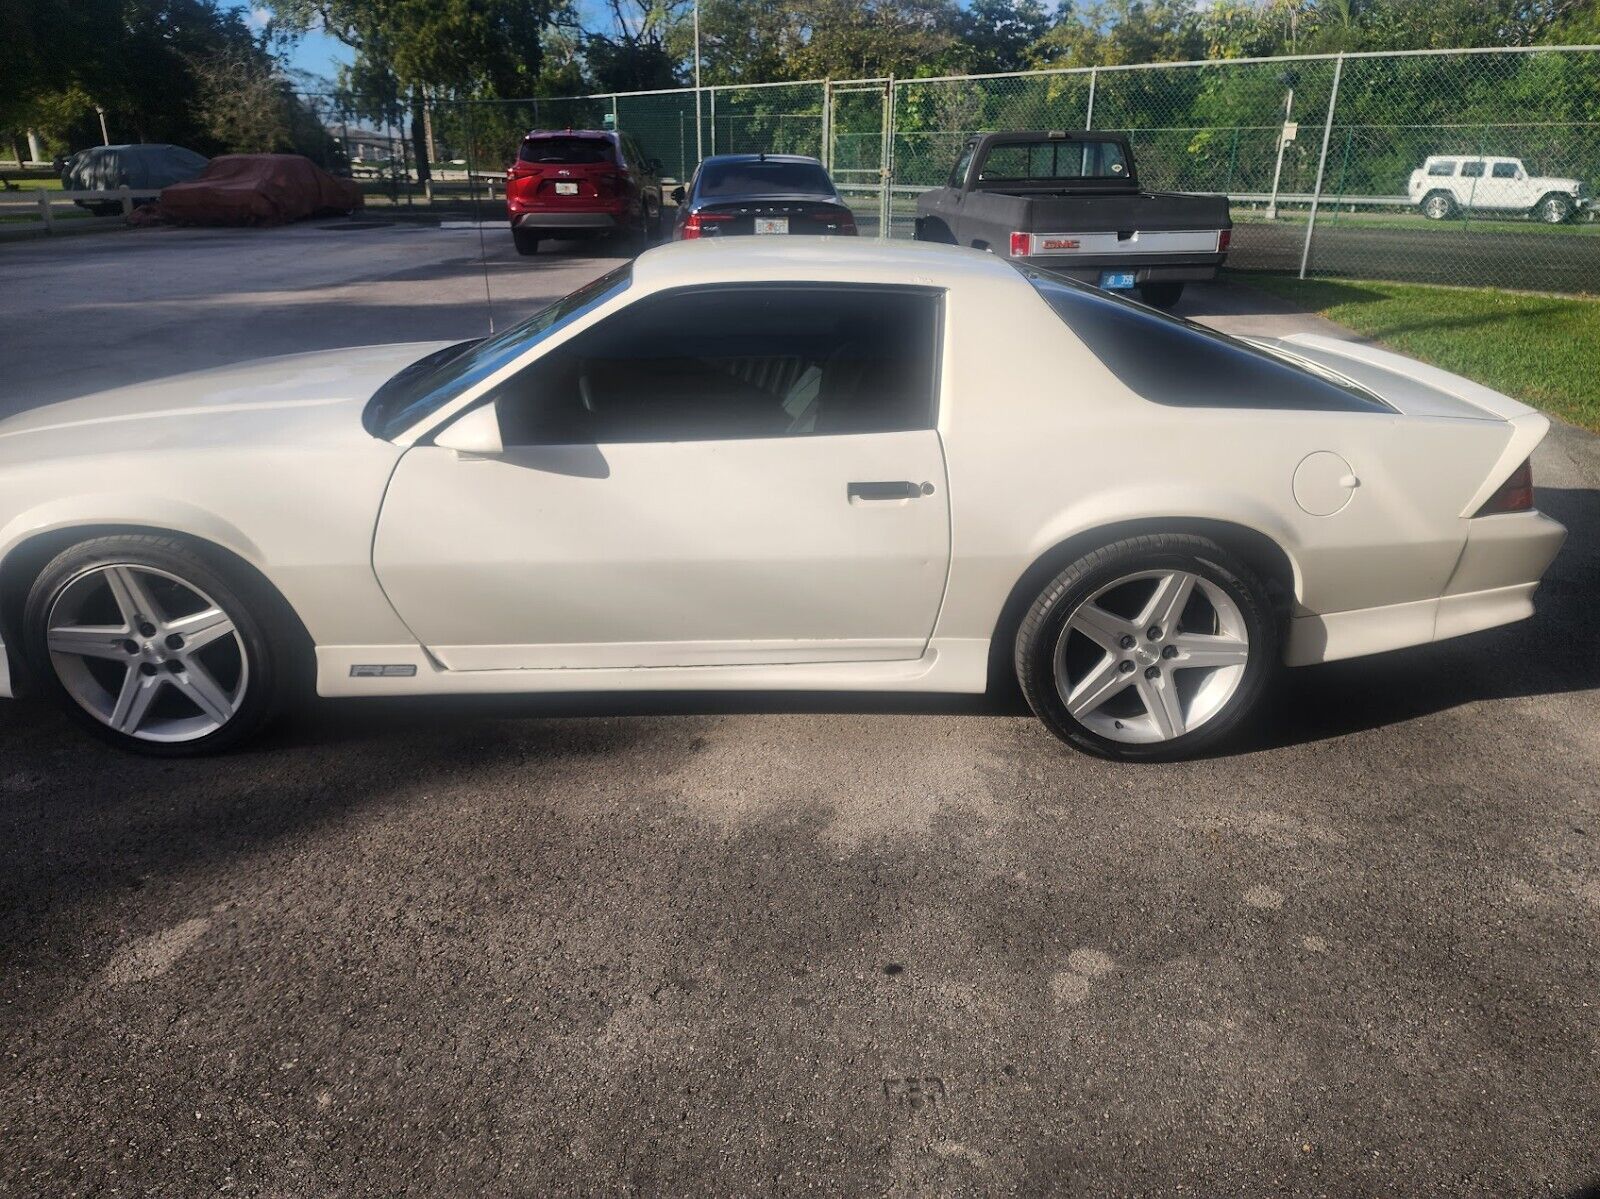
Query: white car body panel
point(667, 553)
point(416, 569)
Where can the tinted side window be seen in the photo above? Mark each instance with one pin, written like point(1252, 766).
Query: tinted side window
point(1471, 170)
point(1505, 170)
point(1171, 361)
point(1447, 167)
point(722, 363)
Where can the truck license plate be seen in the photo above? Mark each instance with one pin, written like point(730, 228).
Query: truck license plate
point(776, 224)
point(1116, 280)
point(566, 189)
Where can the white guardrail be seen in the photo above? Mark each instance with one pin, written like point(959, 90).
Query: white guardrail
point(40, 200)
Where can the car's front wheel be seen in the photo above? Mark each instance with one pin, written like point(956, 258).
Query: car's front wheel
point(147, 644)
point(1151, 648)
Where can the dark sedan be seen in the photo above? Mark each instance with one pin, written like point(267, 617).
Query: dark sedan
point(760, 194)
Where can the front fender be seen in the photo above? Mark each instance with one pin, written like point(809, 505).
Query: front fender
point(129, 509)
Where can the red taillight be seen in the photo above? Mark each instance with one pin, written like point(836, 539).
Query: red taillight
point(1514, 495)
point(1020, 245)
point(843, 220)
point(696, 225)
point(1224, 239)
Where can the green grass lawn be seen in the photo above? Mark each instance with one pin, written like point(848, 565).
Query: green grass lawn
point(1544, 350)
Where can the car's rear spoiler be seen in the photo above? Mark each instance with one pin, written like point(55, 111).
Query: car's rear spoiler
point(1416, 389)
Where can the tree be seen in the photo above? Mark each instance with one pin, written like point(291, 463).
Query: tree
point(634, 56)
point(407, 49)
point(59, 59)
point(852, 39)
point(996, 34)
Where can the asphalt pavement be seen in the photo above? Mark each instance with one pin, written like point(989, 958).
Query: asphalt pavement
point(757, 944)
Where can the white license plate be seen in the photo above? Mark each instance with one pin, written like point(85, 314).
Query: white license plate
point(566, 189)
point(774, 224)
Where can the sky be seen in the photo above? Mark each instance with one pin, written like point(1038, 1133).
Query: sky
point(316, 53)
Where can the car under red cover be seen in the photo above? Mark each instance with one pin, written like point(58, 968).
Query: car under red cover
point(258, 189)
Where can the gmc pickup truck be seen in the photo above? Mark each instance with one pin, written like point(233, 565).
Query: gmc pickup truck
point(1069, 201)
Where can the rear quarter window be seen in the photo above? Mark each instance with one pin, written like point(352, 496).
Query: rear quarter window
point(1180, 364)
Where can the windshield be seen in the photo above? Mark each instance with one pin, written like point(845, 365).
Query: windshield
point(764, 178)
point(1056, 159)
point(429, 383)
point(1176, 362)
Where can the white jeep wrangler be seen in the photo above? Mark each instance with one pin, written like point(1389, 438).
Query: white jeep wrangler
point(1448, 184)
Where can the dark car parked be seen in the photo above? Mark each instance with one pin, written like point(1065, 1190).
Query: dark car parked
point(581, 182)
point(760, 194)
point(143, 169)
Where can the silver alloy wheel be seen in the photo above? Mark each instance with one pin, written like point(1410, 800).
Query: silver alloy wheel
point(147, 653)
point(1118, 668)
point(1553, 210)
point(1436, 207)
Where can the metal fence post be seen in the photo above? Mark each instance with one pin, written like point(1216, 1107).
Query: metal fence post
point(713, 120)
point(1088, 116)
point(886, 200)
point(1322, 163)
point(827, 124)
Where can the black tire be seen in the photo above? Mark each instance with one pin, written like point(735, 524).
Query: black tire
point(1042, 629)
point(1161, 295)
point(1554, 209)
point(1438, 206)
point(527, 241)
point(269, 655)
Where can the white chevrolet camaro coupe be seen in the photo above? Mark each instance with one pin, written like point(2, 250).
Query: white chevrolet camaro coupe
point(837, 466)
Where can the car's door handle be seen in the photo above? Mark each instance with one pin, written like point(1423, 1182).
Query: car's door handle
point(897, 489)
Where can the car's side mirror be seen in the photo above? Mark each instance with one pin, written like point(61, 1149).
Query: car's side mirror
point(677, 195)
point(477, 433)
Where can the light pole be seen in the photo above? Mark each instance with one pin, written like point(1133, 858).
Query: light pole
point(1288, 79)
point(699, 138)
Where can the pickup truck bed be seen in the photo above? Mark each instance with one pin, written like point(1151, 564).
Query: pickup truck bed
point(1097, 225)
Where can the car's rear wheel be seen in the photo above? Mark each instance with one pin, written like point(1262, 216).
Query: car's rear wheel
point(1152, 648)
point(1438, 206)
point(1553, 209)
point(150, 647)
point(1161, 295)
point(527, 241)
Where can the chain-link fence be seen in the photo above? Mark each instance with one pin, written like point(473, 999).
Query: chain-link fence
point(1464, 167)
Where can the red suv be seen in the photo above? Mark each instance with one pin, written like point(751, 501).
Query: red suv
point(577, 183)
